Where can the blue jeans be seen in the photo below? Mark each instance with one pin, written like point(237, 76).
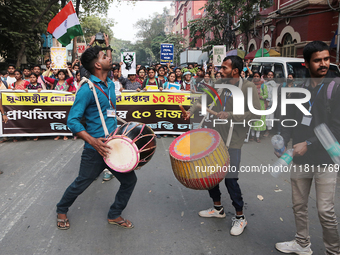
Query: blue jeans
point(231, 182)
point(91, 165)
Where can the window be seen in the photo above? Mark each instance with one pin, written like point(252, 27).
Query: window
point(288, 48)
point(278, 70)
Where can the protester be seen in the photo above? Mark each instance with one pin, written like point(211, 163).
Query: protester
point(37, 71)
point(132, 83)
point(271, 84)
point(262, 92)
point(161, 74)
point(188, 82)
point(141, 75)
point(171, 80)
point(231, 69)
point(48, 72)
point(92, 162)
point(20, 83)
point(151, 82)
point(309, 153)
point(61, 85)
point(11, 76)
point(26, 73)
point(179, 74)
point(205, 83)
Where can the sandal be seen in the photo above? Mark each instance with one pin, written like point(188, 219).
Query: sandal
point(64, 222)
point(65, 138)
point(266, 134)
point(36, 139)
point(121, 223)
point(56, 138)
point(258, 140)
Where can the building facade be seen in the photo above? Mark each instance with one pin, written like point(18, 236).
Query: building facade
point(184, 12)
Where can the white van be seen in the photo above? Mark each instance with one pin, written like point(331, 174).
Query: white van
point(282, 66)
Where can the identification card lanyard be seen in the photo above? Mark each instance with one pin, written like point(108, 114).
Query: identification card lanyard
point(307, 120)
point(112, 111)
point(226, 99)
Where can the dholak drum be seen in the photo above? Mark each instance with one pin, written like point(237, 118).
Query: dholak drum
point(199, 158)
point(132, 146)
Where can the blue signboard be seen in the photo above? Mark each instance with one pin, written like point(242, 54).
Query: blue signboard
point(167, 53)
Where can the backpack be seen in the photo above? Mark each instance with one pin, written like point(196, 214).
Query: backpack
point(330, 93)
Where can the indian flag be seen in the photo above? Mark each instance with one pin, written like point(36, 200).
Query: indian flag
point(65, 25)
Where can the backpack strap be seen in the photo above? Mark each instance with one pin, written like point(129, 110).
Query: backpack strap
point(332, 87)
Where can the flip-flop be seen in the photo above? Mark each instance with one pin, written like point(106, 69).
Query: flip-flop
point(65, 221)
point(120, 223)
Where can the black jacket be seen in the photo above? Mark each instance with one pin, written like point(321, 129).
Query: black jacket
point(316, 154)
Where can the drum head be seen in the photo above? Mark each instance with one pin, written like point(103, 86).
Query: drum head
point(124, 155)
point(195, 144)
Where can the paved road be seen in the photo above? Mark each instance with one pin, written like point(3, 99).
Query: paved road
point(163, 211)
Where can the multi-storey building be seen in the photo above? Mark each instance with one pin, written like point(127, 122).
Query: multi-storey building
point(184, 12)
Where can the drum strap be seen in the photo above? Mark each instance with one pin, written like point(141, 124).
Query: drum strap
point(92, 87)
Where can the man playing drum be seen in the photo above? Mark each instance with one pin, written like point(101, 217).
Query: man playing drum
point(231, 70)
point(92, 163)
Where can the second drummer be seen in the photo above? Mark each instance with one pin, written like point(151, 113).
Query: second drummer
point(92, 163)
point(231, 70)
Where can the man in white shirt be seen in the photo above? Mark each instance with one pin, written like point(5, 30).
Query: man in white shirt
point(11, 77)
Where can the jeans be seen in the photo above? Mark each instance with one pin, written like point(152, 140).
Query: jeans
point(231, 182)
point(91, 165)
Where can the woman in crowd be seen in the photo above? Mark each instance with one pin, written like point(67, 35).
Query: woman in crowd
point(161, 74)
point(171, 79)
point(133, 84)
point(263, 95)
point(20, 83)
point(34, 85)
point(141, 75)
point(151, 82)
point(179, 74)
point(75, 85)
point(62, 84)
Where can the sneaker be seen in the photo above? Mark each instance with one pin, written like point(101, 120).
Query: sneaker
point(238, 226)
point(212, 212)
point(293, 247)
point(107, 175)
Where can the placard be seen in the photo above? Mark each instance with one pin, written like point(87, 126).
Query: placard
point(219, 53)
point(58, 57)
point(167, 53)
point(129, 63)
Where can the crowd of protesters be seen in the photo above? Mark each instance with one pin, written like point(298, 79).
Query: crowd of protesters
point(193, 78)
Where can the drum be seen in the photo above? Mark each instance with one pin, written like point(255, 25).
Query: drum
point(132, 146)
point(199, 158)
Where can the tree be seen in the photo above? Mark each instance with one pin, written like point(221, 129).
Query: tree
point(21, 26)
point(93, 24)
point(218, 20)
point(151, 32)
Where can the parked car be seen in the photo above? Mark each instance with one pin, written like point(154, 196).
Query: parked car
point(283, 66)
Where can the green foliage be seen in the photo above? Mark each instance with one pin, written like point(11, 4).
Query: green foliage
point(17, 26)
point(151, 33)
point(93, 24)
point(218, 21)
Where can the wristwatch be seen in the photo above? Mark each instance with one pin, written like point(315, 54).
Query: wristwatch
point(308, 143)
point(5, 113)
point(89, 45)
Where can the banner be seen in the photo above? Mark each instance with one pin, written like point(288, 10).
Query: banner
point(167, 53)
point(219, 53)
point(36, 114)
point(129, 63)
point(45, 113)
point(58, 57)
